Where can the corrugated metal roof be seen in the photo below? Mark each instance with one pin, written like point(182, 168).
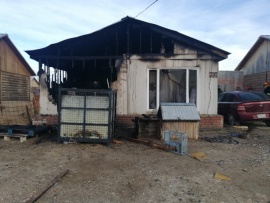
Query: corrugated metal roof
point(179, 111)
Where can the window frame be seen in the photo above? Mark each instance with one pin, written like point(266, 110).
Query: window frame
point(158, 85)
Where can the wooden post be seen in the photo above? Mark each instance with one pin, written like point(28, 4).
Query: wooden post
point(111, 72)
point(28, 115)
point(40, 193)
point(48, 77)
point(116, 43)
point(128, 41)
point(1, 107)
point(140, 39)
point(151, 43)
point(60, 80)
point(55, 75)
point(39, 64)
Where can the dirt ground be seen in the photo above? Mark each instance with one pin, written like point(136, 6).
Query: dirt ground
point(131, 172)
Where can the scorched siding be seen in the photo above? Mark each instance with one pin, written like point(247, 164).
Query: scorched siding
point(132, 83)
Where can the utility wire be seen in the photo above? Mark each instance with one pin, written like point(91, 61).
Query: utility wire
point(146, 8)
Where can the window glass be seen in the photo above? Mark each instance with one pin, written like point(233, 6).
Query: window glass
point(253, 96)
point(173, 86)
point(221, 97)
point(227, 98)
point(192, 86)
point(234, 98)
point(152, 89)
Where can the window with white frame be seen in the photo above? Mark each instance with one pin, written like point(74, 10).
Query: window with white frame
point(171, 85)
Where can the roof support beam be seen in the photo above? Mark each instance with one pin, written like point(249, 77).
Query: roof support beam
point(128, 40)
point(78, 57)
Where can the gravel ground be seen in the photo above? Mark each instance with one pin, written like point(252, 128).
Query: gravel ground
point(131, 172)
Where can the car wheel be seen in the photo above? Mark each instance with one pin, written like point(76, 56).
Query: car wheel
point(231, 119)
point(267, 123)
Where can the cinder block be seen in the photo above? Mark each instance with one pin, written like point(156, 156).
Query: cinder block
point(6, 138)
point(22, 139)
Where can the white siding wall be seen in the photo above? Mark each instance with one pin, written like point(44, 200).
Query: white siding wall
point(208, 93)
point(132, 83)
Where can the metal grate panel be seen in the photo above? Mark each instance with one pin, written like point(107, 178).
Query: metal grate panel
point(86, 115)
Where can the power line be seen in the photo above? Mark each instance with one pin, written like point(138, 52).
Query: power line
point(146, 8)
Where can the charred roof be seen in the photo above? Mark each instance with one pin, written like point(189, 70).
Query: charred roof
point(128, 36)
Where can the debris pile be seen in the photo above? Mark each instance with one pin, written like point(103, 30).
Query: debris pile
point(221, 139)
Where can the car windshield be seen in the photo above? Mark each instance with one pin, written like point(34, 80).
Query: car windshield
point(253, 96)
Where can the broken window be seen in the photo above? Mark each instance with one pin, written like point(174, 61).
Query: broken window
point(152, 89)
point(192, 84)
point(172, 86)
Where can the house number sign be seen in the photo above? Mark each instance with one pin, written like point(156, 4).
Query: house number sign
point(212, 74)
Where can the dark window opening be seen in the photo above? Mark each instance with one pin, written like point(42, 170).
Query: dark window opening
point(152, 89)
point(174, 86)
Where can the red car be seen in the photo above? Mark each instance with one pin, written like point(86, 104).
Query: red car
point(238, 106)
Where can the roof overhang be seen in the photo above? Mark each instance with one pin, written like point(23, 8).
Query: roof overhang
point(88, 46)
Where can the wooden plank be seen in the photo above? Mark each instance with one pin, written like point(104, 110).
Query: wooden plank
point(22, 137)
point(28, 115)
point(44, 190)
point(189, 128)
point(149, 143)
point(13, 135)
point(10, 61)
point(15, 87)
point(0, 83)
point(115, 141)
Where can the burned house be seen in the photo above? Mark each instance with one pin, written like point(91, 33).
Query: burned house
point(147, 64)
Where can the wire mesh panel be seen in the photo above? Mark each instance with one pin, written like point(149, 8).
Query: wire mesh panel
point(86, 115)
point(178, 140)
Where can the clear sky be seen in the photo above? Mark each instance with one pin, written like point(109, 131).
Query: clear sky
point(231, 25)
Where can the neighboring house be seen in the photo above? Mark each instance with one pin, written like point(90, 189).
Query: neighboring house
point(147, 64)
point(256, 64)
point(15, 103)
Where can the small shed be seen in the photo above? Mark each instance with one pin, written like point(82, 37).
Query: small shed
point(179, 117)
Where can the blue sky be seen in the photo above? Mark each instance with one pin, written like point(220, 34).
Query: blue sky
point(231, 25)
